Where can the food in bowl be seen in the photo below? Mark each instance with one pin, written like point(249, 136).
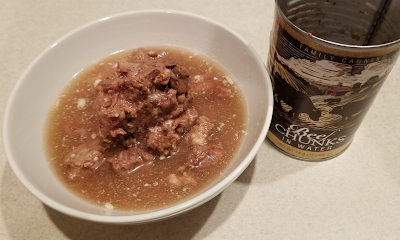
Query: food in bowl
point(55, 67)
point(146, 128)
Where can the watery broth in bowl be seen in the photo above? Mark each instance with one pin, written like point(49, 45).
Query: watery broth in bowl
point(145, 128)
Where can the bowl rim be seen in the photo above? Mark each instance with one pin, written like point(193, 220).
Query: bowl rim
point(148, 216)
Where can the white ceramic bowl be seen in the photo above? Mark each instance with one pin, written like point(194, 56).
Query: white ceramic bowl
point(43, 80)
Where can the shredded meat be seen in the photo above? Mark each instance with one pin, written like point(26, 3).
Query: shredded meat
point(179, 79)
point(185, 121)
point(200, 132)
point(130, 159)
point(88, 155)
point(200, 84)
point(163, 138)
point(144, 107)
point(204, 156)
point(138, 94)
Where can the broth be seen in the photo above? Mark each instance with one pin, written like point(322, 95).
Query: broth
point(167, 178)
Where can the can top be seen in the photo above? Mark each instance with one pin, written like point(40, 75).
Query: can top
point(371, 27)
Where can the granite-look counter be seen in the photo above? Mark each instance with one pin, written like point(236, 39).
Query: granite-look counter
point(353, 196)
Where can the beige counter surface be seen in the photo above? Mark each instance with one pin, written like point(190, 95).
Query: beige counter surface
point(354, 196)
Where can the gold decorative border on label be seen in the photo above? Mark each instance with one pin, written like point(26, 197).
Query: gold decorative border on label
point(302, 153)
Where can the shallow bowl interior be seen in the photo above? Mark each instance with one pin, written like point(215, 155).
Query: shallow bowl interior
point(43, 80)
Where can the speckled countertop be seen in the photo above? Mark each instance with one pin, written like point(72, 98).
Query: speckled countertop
point(354, 196)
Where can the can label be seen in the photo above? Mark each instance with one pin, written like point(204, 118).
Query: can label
point(321, 96)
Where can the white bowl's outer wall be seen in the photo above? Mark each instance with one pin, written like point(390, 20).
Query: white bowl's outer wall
point(41, 83)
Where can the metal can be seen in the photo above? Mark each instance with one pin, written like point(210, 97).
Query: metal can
point(327, 61)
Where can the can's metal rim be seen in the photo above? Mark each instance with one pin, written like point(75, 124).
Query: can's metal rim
point(340, 45)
